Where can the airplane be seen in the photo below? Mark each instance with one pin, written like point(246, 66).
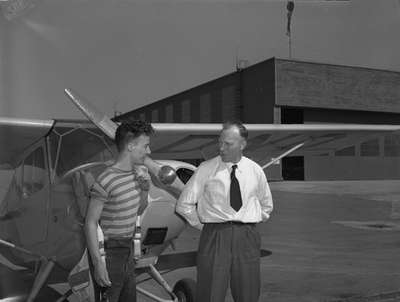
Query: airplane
point(48, 166)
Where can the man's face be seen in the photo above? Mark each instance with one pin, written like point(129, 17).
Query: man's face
point(139, 148)
point(231, 145)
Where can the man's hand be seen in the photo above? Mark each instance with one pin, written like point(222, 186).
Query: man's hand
point(199, 226)
point(101, 274)
point(144, 202)
point(142, 177)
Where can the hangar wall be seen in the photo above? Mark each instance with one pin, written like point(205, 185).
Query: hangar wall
point(378, 158)
point(314, 85)
point(287, 91)
point(247, 94)
point(207, 103)
point(324, 93)
point(258, 93)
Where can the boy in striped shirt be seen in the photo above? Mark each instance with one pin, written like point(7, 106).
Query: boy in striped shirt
point(117, 197)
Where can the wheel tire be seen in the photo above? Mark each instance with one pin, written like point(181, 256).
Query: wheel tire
point(185, 290)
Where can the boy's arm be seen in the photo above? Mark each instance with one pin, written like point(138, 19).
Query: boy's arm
point(92, 219)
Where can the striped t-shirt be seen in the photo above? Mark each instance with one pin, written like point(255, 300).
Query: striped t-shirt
point(119, 192)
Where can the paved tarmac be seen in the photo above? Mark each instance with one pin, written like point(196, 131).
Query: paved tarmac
point(330, 241)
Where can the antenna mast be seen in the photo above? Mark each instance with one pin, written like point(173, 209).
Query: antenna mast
point(290, 8)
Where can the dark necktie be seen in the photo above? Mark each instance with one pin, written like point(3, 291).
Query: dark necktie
point(236, 197)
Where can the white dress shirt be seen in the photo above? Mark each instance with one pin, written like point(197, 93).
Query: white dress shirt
point(205, 198)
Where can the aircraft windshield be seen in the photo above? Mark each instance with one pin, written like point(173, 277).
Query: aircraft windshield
point(72, 147)
point(6, 176)
point(27, 178)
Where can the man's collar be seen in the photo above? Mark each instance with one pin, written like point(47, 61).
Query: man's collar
point(229, 165)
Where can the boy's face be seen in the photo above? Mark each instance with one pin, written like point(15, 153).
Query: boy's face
point(139, 148)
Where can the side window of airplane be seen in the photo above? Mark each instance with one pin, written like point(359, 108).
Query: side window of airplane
point(184, 174)
point(33, 173)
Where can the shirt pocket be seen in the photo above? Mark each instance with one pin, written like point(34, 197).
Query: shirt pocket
point(214, 190)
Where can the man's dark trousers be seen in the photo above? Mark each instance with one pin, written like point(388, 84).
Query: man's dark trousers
point(121, 271)
point(228, 252)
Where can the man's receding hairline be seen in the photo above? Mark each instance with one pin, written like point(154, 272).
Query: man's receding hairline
point(230, 126)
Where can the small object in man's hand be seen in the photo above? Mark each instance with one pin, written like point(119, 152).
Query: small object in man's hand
point(167, 175)
point(143, 178)
point(144, 183)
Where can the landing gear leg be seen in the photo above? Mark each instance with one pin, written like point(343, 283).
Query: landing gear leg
point(183, 291)
point(155, 274)
point(45, 269)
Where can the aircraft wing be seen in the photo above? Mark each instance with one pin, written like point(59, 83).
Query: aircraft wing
point(200, 140)
point(17, 134)
point(193, 141)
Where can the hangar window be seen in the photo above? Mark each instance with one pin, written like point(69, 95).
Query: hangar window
point(292, 115)
point(205, 108)
point(370, 148)
point(154, 116)
point(349, 151)
point(169, 113)
point(230, 108)
point(392, 145)
point(186, 111)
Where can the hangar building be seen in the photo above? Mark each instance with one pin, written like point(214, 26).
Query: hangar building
point(288, 91)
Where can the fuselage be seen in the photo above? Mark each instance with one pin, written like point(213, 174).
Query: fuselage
point(44, 208)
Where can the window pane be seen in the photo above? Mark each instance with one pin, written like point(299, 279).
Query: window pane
point(230, 108)
point(81, 146)
point(184, 174)
point(370, 148)
point(349, 151)
point(392, 145)
point(186, 111)
point(34, 174)
point(205, 108)
point(154, 116)
point(169, 113)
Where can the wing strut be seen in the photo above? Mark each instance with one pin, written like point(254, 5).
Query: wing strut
point(154, 273)
point(274, 160)
point(19, 249)
point(46, 266)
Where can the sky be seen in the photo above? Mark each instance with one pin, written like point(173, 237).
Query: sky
point(123, 54)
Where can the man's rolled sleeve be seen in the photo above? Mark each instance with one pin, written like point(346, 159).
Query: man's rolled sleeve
point(98, 194)
point(265, 197)
point(187, 202)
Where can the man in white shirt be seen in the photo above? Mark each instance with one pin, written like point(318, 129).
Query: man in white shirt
point(226, 197)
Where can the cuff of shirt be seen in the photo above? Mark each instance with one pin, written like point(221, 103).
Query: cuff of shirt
point(198, 226)
point(265, 217)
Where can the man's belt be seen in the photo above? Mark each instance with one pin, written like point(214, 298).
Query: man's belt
point(130, 242)
point(117, 243)
point(231, 222)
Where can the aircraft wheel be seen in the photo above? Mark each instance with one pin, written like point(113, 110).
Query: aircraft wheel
point(185, 290)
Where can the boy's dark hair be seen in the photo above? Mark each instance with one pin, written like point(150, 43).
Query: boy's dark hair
point(129, 130)
point(238, 124)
